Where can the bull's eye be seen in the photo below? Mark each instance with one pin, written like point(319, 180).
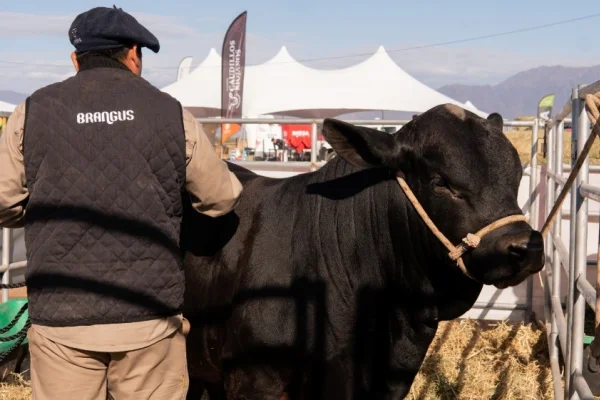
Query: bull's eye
point(439, 185)
point(442, 188)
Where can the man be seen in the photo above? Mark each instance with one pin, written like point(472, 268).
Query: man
point(279, 147)
point(94, 168)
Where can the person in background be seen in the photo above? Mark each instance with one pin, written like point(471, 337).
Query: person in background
point(95, 169)
point(279, 147)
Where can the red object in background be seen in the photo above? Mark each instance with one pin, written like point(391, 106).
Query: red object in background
point(298, 136)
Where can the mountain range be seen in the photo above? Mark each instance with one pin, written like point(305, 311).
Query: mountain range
point(12, 97)
point(520, 94)
point(516, 96)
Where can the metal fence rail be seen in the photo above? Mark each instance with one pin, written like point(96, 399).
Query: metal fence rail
point(566, 335)
point(315, 123)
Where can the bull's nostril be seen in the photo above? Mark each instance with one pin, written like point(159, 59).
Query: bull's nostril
point(524, 250)
point(518, 250)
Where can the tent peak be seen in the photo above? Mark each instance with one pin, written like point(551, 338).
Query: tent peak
point(283, 56)
point(213, 59)
point(284, 51)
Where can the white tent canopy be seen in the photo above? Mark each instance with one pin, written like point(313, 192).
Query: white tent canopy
point(284, 86)
point(200, 90)
point(6, 107)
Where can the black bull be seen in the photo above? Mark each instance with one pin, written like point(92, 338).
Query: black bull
point(328, 284)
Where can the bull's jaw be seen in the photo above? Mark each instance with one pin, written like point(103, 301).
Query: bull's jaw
point(505, 284)
point(520, 278)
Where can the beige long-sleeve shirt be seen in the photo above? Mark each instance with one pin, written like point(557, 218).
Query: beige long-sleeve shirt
point(214, 191)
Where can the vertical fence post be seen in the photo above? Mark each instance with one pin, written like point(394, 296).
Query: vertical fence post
point(533, 208)
point(550, 194)
point(533, 181)
point(313, 146)
point(583, 131)
point(572, 229)
point(6, 259)
point(557, 267)
point(557, 228)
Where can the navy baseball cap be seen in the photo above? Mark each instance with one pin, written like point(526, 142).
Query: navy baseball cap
point(104, 28)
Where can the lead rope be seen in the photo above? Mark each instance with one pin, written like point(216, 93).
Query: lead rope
point(470, 241)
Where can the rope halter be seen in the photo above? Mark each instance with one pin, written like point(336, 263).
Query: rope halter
point(469, 242)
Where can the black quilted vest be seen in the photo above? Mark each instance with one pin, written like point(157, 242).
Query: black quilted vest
point(104, 156)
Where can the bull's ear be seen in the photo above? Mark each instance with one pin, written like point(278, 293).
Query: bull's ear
point(496, 120)
point(360, 146)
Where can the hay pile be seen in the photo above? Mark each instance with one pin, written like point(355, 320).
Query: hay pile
point(467, 361)
point(17, 390)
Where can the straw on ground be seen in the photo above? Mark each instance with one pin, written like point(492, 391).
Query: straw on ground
point(468, 360)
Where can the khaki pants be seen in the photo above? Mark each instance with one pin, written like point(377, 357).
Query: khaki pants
point(155, 372)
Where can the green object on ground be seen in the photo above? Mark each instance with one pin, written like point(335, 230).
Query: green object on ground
point(8, 311)
point(588, 339)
